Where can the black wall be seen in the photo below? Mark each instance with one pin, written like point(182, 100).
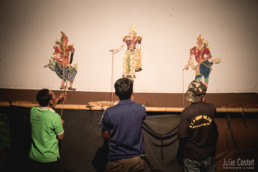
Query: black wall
point(83, 149)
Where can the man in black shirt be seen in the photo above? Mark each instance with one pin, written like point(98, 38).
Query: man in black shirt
point(197, 131)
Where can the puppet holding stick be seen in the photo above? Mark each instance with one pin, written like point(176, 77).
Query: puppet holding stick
point(61, 62)
point(202, 56)
point(132, 57)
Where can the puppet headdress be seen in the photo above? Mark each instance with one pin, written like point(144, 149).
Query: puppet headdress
point(132, 28)
point(63, 36)
point(200, 38)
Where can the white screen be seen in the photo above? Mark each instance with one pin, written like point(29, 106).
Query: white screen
point(29, 29)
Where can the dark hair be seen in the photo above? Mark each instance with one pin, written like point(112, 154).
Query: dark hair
point(43, 97)
point(124, 88)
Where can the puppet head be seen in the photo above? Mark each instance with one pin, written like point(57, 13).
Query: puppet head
point(200, 40)
point(132, 28)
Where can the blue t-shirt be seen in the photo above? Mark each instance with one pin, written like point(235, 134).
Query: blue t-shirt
point(124, 122)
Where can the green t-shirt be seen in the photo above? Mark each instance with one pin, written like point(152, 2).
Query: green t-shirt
point(46, 124)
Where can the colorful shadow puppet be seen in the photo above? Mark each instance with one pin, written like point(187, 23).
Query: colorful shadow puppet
point(61, 63)
point(132, 61)
point(202, 56)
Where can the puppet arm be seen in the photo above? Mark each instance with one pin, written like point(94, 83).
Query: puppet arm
point(190, 63)
point(119, 49)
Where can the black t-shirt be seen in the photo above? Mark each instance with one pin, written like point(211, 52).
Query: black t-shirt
point(197, 131)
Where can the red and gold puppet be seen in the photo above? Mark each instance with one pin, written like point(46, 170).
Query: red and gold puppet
point(202, 55)
point(61, 63)
point(132, 61)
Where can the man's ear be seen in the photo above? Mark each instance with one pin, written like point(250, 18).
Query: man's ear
point(51, 102)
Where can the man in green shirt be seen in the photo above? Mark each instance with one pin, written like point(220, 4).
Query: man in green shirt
point(46, 130)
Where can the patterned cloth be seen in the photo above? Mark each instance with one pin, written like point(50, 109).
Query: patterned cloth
point(130, 61)
point(203, 67)
point(132, 57)
point(69, 72)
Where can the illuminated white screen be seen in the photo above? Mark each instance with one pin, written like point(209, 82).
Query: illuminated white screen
point(169, 28)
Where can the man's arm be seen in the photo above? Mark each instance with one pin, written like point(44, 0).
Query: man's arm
point(61, 135)
point(58, 100)
point(105, 134)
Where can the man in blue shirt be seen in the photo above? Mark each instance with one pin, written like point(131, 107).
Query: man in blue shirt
point(122, 125)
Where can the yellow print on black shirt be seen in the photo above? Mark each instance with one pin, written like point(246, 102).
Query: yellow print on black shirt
point(194, 121)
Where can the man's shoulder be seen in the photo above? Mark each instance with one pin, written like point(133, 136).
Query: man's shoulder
point(209, 105)
point(206, 104)
point(138, 106)
point(131, 105)
point(198, 105)
point(39, 109)
point(33, 108)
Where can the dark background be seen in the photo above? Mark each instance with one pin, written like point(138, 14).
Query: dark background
point(83, 149)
